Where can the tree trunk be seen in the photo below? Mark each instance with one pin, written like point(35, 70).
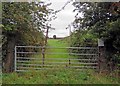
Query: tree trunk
point(9, 62)
point(46, 36)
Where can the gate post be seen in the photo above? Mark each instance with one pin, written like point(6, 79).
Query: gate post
point(101, 59)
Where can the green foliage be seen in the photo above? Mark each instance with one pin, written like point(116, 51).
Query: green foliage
point(27, 19)
point(83, 38)
point(103, 20)
point(61, 76)
point(33, 38)
point(23, 23)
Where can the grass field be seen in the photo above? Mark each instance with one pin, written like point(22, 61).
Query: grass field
point(58, 76)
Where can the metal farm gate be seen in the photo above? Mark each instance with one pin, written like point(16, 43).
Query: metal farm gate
point(38, 58)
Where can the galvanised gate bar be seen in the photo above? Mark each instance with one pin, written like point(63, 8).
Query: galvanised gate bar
point(40, 57)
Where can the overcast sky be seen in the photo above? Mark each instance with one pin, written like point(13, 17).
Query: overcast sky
point(64, 18)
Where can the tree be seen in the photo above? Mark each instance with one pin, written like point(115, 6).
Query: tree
point(102, 19)
point(54, 36)
point(22, 25)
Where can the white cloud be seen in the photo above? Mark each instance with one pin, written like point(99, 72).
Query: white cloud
point(64, 18)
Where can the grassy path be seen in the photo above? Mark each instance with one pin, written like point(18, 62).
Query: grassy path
point(57, 43)
point(56, 52)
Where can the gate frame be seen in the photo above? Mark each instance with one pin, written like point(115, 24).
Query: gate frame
point(42, 47)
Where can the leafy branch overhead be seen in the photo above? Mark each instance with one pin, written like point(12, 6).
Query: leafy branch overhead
point(101, 19)
point(23, 24)
point(24, 17)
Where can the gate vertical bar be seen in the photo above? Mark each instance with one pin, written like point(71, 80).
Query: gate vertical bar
point(69, 63)
point(15, 65)
point(43, 55)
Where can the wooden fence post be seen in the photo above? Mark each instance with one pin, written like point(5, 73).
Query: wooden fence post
point(102, 61)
